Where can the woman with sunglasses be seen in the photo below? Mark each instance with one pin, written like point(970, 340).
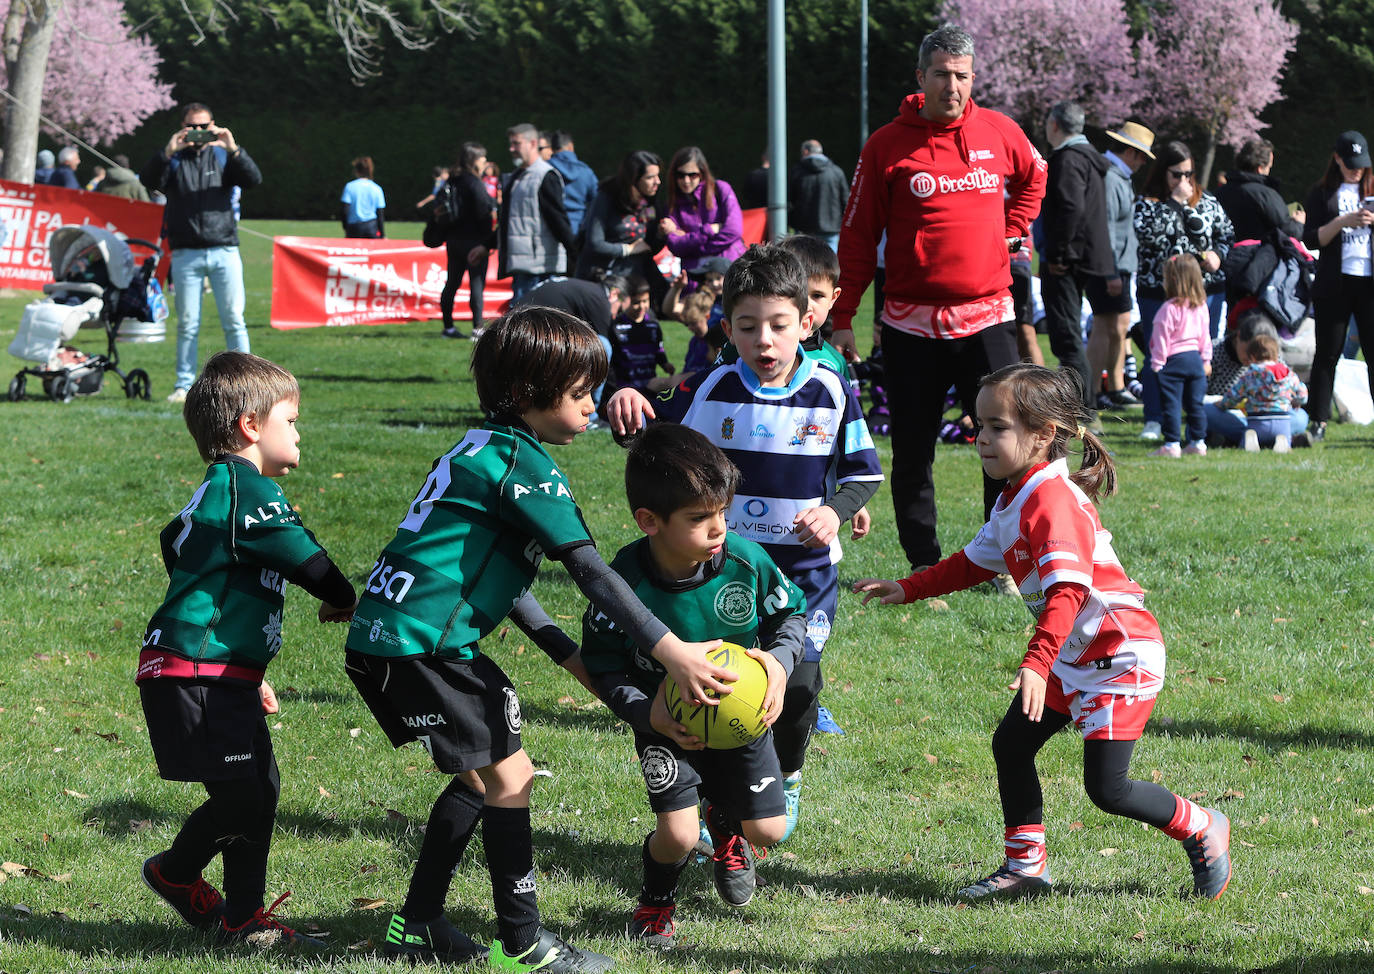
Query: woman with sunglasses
point(1174, 216)
point(622, 228)
point(1340, 212)
point(703, 218)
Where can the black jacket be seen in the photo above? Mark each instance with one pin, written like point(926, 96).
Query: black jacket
point(474, 225)
point(1255, 206)
point(1074, 214)
point(199, 186)
point(818, 191)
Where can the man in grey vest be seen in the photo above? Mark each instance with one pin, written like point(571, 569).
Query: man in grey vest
point(534, 236)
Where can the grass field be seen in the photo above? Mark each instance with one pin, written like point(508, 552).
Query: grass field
point(1259, 568)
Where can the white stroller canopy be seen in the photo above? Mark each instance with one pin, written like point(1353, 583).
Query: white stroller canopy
point(69, 242)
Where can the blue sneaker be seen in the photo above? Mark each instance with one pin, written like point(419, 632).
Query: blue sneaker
point(791, 793)
point(825, 723)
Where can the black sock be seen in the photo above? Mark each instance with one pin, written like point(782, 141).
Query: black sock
point(509, 846)
point(193, 848)
point(452, 821)
point(660, 879)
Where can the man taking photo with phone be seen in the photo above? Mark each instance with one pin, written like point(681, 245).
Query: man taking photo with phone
point(197, 171)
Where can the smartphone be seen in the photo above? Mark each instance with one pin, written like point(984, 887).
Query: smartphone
point(1369, 202)
point(200, 136)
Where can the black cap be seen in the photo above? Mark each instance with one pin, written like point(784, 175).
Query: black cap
point(1353, 149)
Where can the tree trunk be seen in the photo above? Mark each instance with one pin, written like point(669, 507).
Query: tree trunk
point(1209, 156)
point(27, 39)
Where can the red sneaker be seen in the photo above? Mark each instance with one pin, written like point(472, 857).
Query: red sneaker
point(262, 929)
point(199, 903)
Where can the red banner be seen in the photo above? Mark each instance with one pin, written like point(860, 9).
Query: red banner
point(332, 281)
point(29, 215)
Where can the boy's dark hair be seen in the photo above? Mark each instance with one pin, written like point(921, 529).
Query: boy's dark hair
point(230, 385)
point(715, 338)
point(530, 357)
point(817, 259)
point(363, 166)
point(636, 286)
point(1262, 348)
point(672, 466)
point(765, 271)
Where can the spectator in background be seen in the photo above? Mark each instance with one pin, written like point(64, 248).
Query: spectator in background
point(622, 230)
point(43, 172)
point(579, 182)
point(491, 180)
point(1340, 225)
point(756, 185)
point(1111, 298)
point(198, 173)
point(98, 175)
point(1077, 255)
point(545, 146)
point(1173, 215)
point(364, 203)
point(816, 193)
point(468, 240)
point(440, 177)
point(123, 182)
point(703, 218)
point(64, 174)
point(534, 237)
point(1251, 196)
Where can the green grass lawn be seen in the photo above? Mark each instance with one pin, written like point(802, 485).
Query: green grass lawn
point(1259, 568)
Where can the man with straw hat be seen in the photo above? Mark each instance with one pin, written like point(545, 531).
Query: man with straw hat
point(1132, 148)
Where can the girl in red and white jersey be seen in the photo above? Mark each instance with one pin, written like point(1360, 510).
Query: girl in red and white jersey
point(1096, 657)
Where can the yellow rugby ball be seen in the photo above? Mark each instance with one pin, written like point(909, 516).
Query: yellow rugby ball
point(738, 719)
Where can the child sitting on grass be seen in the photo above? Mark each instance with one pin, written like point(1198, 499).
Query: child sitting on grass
point(229, 554)
point(1271, 392)
point(695, 576)
point(463, 558)
point(1096, 658)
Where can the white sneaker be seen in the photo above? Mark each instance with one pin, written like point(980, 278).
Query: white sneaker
point(177, 395)
point(1151, 431)
point(1282, 444)
point(1251, 441)
point(1197, 448)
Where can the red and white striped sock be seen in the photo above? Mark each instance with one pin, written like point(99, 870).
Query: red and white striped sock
point(1189, 818)
point(1026, 849)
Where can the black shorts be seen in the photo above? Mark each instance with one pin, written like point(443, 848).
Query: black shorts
point(465, 713)
point(1102, 303)
point(205, 730)
point(745, 781)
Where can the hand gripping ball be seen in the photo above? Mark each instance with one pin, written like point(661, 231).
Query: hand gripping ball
point(738, 718)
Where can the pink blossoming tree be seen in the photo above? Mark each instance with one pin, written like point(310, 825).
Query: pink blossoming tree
point(1209, 69)
point(1030, 54)
point(100, 80)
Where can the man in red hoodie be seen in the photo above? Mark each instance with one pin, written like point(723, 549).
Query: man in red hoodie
point(933, 179)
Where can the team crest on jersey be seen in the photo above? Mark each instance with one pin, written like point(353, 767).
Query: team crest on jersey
point(375, 631)
point(660, 768)
point(727, 428)
point(513, 720)
point(818, 629)
point(808, 428)
point(735, 604)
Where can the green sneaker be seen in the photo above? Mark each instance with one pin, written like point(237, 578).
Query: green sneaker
point(436, 939)
point(551, 954)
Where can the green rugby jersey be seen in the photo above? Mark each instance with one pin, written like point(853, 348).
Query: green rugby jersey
point(468, 547)
point(739, 595)
point(228, 553)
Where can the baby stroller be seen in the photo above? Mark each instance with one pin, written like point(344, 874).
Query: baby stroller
point(97, 282)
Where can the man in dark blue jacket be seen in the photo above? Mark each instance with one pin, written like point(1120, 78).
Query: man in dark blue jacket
point(197, 171)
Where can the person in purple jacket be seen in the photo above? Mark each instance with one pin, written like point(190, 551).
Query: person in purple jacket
point(703, 217)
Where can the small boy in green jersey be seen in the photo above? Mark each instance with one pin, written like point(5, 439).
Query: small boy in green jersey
point(462, 560)
point(699, 578)
point(229, 554)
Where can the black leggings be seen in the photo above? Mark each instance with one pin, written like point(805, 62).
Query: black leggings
point(477, 281)
point(1350, 296)
point(1015, 744)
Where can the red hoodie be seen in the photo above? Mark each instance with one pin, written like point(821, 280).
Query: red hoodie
point(936, 188)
